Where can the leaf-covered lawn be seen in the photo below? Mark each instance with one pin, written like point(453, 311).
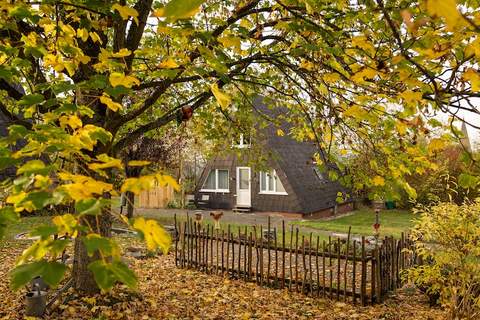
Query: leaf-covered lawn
point(392, 222)
point(166, 292)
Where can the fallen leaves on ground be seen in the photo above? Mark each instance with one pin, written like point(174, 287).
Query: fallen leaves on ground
point(166, 292)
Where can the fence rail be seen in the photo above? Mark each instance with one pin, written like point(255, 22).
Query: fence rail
point(339, 269)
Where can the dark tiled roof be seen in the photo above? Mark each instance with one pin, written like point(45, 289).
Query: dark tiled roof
point(296, 160)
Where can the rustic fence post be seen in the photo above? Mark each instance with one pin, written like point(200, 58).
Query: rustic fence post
point(257, 254)
point(296, 259)
point(233, 253)
point(261, 255)
point(339, 245)
point(276, 257)
point(346, 266)
point(268, 251)
point(290, 264)
point(304, 265)
point(245, 253)
point(176, 239)
point(310, 263)
point(283, 254)
point(239, 253)
point(330, 265)
point(378, 274)
point(323, 269)
point(250, 256)
point(354, 272)
point(317, 267)
point(223, 251)
point(363, 282)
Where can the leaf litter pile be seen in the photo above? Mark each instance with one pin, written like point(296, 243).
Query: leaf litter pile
point(166, 292)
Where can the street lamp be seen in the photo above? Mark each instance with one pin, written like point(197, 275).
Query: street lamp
point(376, 225)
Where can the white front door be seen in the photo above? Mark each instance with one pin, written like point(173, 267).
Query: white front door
point(244, 193)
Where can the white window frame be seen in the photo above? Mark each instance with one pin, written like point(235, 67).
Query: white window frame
point(243, 143)
point(216, 182)
point(274, 174)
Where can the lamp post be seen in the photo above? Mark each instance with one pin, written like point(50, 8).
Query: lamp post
point(376, 225)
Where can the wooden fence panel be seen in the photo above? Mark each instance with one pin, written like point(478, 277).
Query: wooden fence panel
point(346, 271)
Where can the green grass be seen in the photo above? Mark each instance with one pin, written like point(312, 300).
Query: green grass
point(25, 224)
point(392, 222)
point(163, 220)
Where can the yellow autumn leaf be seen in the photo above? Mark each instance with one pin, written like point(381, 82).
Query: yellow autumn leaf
point(179, 9)
point(356, 112)
point(474, 78)
point(42, 182)
point(112, 105)
point(154, 235)
point(164, 180)
point(223, 99)
point(446, 9)
point(410, 97)
point(95, 37)
point(364, 75)
point(230, 41)
point(436, 144)
point(126, 12)
point(73, 121)
point(83, 187)
point(280, 133)
point(137, 185)
point(378, 181)
point(120, 79)
point(66, 223)
point(363, 43)
point(82, 34)
point(138, 163)
point(331, 77)
point(168, 63)
point(401, 127)
point(16, 198)
point(122, 53)
point(106, 162)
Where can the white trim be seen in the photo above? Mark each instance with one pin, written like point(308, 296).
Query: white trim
point(216, 182)
point(215, 191)
point(274, 193)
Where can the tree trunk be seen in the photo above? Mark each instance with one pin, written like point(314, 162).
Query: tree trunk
point(82, 277)
point(130, 203)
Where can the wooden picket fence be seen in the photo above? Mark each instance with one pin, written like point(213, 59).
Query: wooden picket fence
point(341, 270)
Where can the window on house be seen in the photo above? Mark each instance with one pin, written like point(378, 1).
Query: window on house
point(270, 183)
point(242, 142)
point(217, 181)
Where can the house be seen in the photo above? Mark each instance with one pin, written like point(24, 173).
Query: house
point(291, 184)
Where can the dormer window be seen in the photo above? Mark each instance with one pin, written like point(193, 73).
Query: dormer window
point(242, 143)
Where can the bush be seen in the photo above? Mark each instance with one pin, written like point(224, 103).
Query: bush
point(447, 238)
point(174, 204)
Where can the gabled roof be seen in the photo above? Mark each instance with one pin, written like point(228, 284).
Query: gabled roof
point(295, 158)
